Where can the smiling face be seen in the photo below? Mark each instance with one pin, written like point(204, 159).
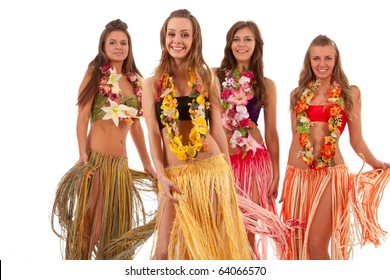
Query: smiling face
point(117, 46)
point(179, 37)
point(322, 61)
point(243, 45)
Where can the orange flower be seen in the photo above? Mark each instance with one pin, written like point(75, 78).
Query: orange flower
point(301, 107)
point(334, 110)
point(303, 138)
point(328, 151)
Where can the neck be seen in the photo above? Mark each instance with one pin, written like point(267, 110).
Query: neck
point(242, 66)
point(118, 66)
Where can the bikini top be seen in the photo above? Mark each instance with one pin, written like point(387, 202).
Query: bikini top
point(316, 113)
point(254, 112)
point(99, 101)
point(182, 107)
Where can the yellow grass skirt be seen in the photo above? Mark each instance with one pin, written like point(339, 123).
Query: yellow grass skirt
point(123, 212)
point(208, 224)
point(355, 201)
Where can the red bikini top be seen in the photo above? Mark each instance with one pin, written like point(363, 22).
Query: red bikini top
point(316, 113)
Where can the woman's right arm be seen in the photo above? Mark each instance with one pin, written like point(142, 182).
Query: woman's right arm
point(156, 151)
point(82, 122)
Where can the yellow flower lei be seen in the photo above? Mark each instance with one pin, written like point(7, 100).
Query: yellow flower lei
point(304, 124)
point(170, 117)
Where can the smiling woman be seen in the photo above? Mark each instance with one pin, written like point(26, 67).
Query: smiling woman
point(198, 215)
point(336, 205)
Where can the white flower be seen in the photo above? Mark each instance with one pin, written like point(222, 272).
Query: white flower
point(114, 80)
point(116, 111)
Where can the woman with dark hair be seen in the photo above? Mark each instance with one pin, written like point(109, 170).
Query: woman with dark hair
point(318, 189)
point(198, 216)
point(254, 158)
point(99, 200)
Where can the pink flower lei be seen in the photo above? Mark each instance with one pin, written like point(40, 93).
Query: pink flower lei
point(236, 92)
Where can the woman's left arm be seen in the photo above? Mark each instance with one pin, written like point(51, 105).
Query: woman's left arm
point(137, 133)
point(271, 136)
point(356, 135)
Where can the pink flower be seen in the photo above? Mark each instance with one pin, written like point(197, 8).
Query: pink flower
point(239, 97)
point(244, 122)
point(226, 93)
point(132, 77)
point(250, 143)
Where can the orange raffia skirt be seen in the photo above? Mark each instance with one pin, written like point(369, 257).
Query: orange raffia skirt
point(125, 224)
point(254, 173)
point(208, 224)
point(355, 201)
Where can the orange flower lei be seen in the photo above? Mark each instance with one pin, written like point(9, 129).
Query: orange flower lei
point(170, 117)
point(304, 124)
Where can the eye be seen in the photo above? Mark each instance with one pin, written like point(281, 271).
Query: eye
point(171, 34)
point(185, 35)
point(124, 43)
point(248, 39)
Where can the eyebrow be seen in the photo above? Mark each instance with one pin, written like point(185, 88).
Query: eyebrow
point(247, 36)
point(188, 30)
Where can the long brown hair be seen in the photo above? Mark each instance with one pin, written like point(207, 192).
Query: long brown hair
point(102, 59)
point(307, 74)
point(256, 64)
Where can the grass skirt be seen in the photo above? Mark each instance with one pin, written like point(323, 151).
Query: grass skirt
point(208, 223)
point(254, 171)
point(123, 212)
point(355, 201)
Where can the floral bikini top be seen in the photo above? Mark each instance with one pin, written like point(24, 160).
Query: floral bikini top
point(109, 103)
point(100, 101)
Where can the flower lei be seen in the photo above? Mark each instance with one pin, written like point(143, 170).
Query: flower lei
point(109, 87)
point(170, 117)
point(236, 92)
point(304, 124)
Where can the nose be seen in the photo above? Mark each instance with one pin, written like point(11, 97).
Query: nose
point(177, 39)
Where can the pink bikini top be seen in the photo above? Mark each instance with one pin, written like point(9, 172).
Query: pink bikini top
point(316, 113)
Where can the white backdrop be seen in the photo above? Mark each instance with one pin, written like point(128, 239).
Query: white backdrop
point(46, 46)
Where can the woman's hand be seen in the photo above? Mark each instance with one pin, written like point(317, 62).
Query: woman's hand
point(381, 165)
point(83, 158)
point(168, 188)
point(150, 170)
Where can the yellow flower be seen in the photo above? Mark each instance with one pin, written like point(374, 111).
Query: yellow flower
point(181, 154)
point(201, 125)
point(190, 151)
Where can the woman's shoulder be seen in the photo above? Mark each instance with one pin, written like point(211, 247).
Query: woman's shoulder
point(268, 82)
point(355, 92)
